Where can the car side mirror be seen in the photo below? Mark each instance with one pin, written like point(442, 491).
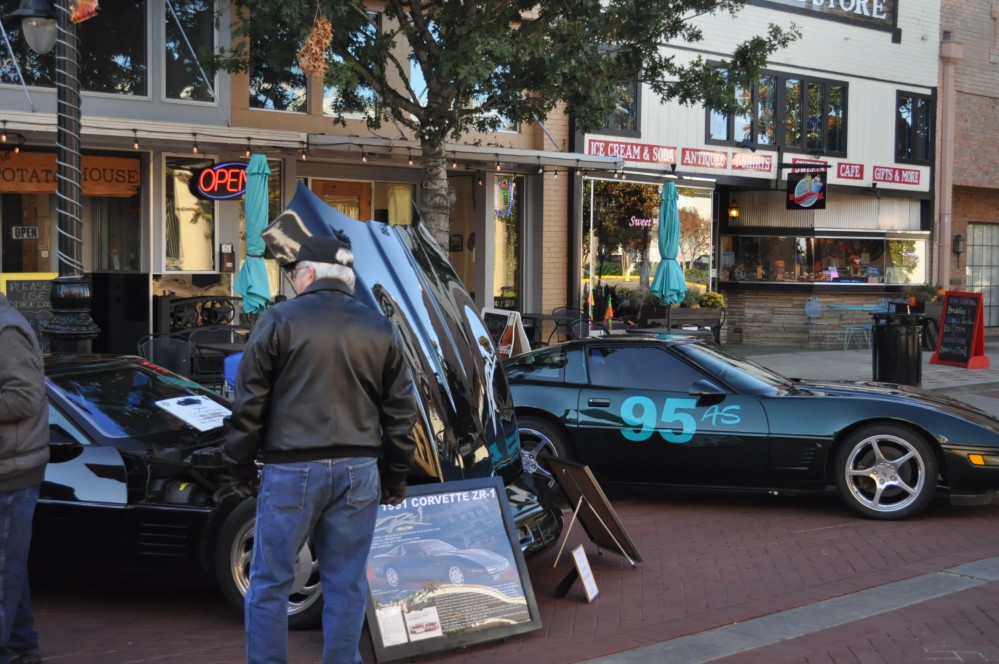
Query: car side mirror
point(62, 446)
point(707, 393)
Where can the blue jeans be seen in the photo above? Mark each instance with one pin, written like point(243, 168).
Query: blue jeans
point(336, 501)
point(17, 627)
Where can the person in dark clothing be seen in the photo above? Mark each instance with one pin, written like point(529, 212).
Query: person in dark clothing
point(24, 451)
point(323, 399)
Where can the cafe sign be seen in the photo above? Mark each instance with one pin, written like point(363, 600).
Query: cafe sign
point(35, 173)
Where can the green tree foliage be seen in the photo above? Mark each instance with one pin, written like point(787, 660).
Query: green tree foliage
point(489, 62)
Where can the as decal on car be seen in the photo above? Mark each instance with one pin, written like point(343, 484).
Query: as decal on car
point(645, 419)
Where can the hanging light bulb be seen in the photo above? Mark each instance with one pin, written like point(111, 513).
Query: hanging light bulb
point(248, 152)
point(541, 170)
point(194, 148)
point(555, 174)
point(454, 161)
point(480, 180)
point(497, 163)
point(305, 151)
point(135, 143)
point(364, 156)
point(410, 156)
point(3, 137)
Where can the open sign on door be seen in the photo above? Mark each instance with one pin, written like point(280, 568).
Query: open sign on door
point(24, 232)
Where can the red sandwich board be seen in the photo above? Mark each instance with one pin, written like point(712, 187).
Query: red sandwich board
point(961, 342)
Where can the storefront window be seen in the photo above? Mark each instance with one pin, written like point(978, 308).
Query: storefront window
point(183, 75)
point(112, 52)
point(190, 221)
point(119, 232)
point(824, 260)
point(508, 215)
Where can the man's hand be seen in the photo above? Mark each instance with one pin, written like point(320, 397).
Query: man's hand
point(393, 494)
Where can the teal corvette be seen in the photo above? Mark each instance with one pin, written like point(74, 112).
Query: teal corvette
point(675, 411)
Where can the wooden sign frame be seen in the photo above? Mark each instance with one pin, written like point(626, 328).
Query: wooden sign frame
point(593, 510)
point(957, 318)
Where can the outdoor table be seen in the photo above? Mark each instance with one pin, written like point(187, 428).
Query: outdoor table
point(534, 321)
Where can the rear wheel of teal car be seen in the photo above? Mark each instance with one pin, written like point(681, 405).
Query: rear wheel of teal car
point(540, 438)
point(886, 471)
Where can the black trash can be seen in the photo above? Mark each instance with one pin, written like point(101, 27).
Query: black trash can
point(897, 349)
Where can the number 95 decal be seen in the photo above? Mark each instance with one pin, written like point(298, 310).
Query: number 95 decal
point(641, 414)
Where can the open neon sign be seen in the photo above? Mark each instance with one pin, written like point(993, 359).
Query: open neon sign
point(220, 182)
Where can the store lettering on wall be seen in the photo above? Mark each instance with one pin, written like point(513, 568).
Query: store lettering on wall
point(647, 152)
point(871, 13)
point(704, 158)
point(35, 173)
point(848, 171)
point(896, 175)
point(762, 163)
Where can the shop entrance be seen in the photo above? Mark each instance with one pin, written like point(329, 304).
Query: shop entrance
point(25, 233)
point(982, 270)
point(351, 198)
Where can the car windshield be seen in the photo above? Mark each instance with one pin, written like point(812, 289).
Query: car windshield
point(131, 400)
point(745, 376)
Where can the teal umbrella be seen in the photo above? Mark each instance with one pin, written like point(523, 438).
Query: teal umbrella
point(668, 284)
point(252, 281)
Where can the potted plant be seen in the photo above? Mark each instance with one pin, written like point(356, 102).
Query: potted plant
point(711, 300)
point(921, 295)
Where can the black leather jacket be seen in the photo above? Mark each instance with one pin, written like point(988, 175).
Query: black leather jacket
point(323, 377)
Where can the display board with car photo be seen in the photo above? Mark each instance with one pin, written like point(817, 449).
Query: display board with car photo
point(445, 571)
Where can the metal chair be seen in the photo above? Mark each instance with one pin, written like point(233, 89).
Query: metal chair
point(208, 362)
point(563, 325)
point(171, 352)
point(818, 327)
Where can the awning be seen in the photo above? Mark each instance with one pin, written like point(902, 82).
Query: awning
point(475, 156)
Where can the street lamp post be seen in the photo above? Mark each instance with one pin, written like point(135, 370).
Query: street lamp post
point(71, 328)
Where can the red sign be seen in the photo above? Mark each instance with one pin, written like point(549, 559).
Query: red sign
point(220, 181)
point(896, 175)
point(752, 162)
point(847, 171)
point(704, 158)
point(653, 154)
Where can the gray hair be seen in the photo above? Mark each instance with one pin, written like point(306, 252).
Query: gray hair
point(342, 273)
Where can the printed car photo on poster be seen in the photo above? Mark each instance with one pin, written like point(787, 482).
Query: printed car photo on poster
point(445, 571)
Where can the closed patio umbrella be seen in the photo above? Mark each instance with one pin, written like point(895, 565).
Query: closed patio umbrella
point(668, 284)
point(252, 281)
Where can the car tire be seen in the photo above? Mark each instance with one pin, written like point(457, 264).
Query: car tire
point(886, 471)
point(233, 550)
point(455, 575)
point(540, 438)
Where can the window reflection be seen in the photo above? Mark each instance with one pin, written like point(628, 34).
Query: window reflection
point(190, 221)
point(824, 260)
point(183, 75)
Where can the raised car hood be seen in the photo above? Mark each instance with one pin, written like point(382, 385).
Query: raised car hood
point(467, 426)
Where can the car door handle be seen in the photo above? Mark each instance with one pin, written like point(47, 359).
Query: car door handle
point(598, 402)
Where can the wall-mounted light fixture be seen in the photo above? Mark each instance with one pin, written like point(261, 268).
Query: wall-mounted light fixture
point(874, 188)
point(734, 210)
point(957, 244)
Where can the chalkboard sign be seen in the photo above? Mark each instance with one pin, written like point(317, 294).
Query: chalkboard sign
point(961, 341)
point(495, 323)
point(28, 292)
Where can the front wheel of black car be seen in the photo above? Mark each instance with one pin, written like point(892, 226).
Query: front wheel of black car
point(886, 471)
point(538, 439)
point(233, 551)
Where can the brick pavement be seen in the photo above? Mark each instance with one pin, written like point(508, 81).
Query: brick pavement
point(709, 561)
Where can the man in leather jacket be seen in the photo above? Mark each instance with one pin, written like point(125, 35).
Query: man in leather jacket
point(24, 451)
point(323, 396)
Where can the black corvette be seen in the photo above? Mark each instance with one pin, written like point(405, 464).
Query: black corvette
point(673, 411)
point(137, 480)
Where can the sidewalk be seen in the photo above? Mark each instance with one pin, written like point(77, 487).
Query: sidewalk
point(858, 365)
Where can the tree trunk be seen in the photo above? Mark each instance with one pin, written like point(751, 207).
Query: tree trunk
point(438, 197)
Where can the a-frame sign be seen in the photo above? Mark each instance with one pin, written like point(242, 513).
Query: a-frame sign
point(961, 342)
